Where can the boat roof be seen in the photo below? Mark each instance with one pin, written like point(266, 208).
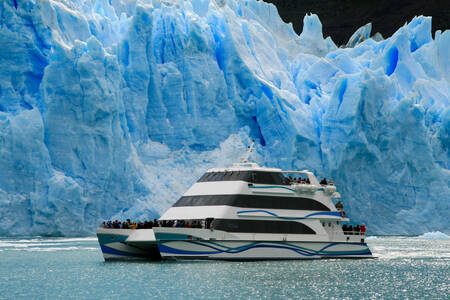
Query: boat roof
point(246, 165)
point(251, 166)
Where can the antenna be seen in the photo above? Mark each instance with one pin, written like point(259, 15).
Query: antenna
point(247, 154)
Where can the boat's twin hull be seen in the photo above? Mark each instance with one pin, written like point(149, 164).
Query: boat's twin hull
point(117, 246)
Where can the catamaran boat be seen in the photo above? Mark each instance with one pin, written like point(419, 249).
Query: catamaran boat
point(244, 212)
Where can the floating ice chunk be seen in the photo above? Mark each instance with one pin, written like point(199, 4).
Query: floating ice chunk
point(434, 235)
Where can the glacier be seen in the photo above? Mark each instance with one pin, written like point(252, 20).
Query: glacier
point(111, 109)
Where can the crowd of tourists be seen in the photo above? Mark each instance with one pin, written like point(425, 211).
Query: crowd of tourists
point(292, 180)
point(355, 230)
point(128, 224)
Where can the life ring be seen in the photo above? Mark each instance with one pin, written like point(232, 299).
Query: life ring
point(342, 214)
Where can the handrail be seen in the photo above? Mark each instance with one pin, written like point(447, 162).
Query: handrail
point(348, 232)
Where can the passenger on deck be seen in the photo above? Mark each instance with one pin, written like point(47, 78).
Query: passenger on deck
point(324, 181)
point(133, 226)
point(345, 228)
point(363, 229)
point(357, 228)
point(197, 224)
point(339, 205)
point(307, 181)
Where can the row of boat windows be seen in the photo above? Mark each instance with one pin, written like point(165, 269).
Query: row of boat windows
point(259, 226)
point(253, 201)
point(242, 226)
point(248, 176)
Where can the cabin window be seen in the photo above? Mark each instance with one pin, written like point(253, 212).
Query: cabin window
point(262, 226)
point(248, 176)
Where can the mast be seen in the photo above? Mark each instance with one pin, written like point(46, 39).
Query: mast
point(247, 153)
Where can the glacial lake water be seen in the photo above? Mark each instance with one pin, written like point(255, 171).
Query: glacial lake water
point(49, 268)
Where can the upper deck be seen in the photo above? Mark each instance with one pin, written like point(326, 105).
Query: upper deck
point(252, 173)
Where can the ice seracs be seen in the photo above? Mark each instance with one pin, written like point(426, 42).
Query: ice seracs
point(96, 97)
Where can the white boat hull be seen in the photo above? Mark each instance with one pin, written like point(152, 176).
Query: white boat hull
point(142, 244)
point(260, 250)
point(121, 244)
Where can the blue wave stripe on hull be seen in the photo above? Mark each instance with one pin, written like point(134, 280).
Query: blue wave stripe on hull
point(106, 238)
point(300, 250)
point(271, 187)
point(279, 187)
point(331, 213)
point(108, 250)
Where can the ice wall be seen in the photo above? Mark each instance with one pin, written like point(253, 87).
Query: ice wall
point(111, 109)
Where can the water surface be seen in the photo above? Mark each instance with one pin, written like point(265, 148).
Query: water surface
point(406, 267)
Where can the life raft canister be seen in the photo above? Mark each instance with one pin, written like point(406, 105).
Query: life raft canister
point(305, 188)
point(329, 189)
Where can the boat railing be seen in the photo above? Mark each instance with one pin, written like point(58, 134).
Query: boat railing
point(354, 233)
point(347, 232)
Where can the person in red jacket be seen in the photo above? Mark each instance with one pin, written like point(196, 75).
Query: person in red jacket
point(363, 229)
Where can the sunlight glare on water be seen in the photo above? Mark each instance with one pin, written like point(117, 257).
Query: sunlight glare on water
point(406, 267)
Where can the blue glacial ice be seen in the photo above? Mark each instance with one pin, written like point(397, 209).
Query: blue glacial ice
point(112, 109)
point(360, 35)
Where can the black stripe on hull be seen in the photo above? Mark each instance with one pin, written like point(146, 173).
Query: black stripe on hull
point(253, 201)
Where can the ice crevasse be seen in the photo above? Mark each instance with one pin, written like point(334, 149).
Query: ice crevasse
point(111, 109)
